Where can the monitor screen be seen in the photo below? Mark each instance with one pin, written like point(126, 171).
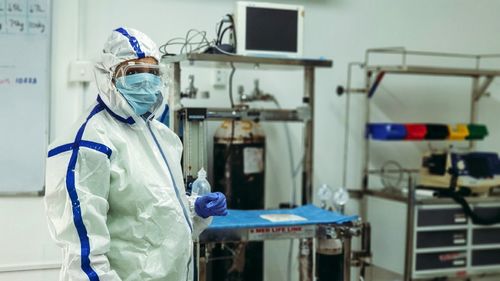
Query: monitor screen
point(271, 29)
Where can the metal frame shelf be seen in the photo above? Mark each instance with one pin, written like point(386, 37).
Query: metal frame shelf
point(193, 128)
point(374, 74)
point(429, 70)
point(219, 114)
point(426, 200)
point(250, 61)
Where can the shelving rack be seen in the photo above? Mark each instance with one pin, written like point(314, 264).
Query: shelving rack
point(415, 205)
point(191, 124)
point(192, 119)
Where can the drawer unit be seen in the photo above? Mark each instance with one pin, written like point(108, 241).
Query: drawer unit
point(485, 236)
point(441, 260)
point(443, 238)
point(487, 212)
point(486, 257)
point(438, 217)
point(444, 243)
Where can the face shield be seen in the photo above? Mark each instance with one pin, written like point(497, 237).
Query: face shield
point(136, 75)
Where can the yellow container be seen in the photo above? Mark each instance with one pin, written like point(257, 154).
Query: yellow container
point(458, 132)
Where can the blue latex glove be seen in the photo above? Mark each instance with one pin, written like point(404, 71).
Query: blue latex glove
point(212, 204)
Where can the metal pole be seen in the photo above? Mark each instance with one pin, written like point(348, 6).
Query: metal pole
point(410, 222)
point(347, 119)
point(347, 257)
point(481, 89)
point(366, 247)
point(305, 260)
point(202, 261)
point(306, 248)
point(473, 106)
point(187, 150)
point(366, 155)
point(307, 186)
point(197, 260)
point(475, 86)
point(366, 158)
point(174, 97)
point(404, 59)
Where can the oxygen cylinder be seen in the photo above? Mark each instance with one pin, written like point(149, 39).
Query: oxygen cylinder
point(239, 173)
point(239, 158)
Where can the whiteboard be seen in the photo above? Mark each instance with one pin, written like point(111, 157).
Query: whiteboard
point(24, 94)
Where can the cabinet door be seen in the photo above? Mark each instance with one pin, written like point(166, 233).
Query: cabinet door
point(441, 260)
point(438, 217)
point(488, 212)
point(486, 257)
point(485, 236)
point(443, 238)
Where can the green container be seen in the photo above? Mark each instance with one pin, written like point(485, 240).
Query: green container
point(477, 132)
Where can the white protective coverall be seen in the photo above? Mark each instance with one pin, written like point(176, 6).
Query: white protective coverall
point(115, 197)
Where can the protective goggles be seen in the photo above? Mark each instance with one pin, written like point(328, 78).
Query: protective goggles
point(132, 74)
point(131, 68)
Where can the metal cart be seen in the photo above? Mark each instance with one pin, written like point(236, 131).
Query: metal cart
point(313, 227)
point(190, 123)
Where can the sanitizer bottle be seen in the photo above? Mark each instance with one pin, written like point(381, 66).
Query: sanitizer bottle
point(201, 186)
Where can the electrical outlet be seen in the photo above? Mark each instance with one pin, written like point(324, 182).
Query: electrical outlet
point(219, 78)
point(81, 71)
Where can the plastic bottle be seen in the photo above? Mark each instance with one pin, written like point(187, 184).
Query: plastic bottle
point(201, 186)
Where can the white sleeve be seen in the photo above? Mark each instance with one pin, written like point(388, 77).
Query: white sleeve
point(77, 187)
point(199, 223)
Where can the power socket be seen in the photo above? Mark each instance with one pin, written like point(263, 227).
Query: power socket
point(219, 78)
point(81, 71)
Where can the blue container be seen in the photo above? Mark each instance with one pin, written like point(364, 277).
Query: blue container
point(387, 131)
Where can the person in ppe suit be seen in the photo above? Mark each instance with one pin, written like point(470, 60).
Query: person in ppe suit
point(115, 196)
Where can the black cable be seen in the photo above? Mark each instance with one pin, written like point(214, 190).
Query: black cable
point(476, 218)
point(458, 197)
point(233, 70)
point(234, 30)
point(224, 32)
point(218, 32)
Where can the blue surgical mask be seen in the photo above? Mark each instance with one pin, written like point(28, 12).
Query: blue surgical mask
point(141, 90)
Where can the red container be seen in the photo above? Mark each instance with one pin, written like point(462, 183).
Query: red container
point(415, 131)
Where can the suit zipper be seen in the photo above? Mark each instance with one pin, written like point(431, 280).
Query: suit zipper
point(172, 177)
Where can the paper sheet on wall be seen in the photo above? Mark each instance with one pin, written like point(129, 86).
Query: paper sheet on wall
point(24, 92)
point(253, 160)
